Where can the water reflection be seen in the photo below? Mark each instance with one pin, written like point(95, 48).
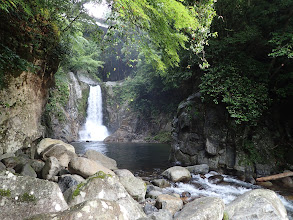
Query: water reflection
point(132, 156)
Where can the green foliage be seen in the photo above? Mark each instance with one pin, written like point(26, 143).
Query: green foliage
point(253, 154)
point(58, 96)
point(165, 26)
point(225, 216)
point(84, 55)
point(250, 59)
point(76, 192)
point(27, 198)
point(40, 29)
point(5, 192)
point(163, 137)
point(244, 99)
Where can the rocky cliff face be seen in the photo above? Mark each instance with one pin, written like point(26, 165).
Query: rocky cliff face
point(66, 110)
point(126, 124)
point(204, 134)
point(21, 105)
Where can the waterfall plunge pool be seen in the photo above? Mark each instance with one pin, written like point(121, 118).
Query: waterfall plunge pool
point(150, 160)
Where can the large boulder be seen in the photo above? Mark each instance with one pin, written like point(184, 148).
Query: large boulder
point(51, 168)
point(257, 204)
point(135, 186)
point(103, 186)
point(198, 169)
point(86, 167)
point(24, 196)
point(171, 203)
point(47, 142)
point(177, 174)
point(60, 152)
point(101, 158)
point(206, 208)
point(92, 209)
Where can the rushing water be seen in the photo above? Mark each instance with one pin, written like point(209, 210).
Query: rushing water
point(151, 159)
point(94, 130)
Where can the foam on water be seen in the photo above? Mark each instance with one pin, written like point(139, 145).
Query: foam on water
point(228, 191)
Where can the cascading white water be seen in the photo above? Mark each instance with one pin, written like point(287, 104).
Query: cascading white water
point(94, 130)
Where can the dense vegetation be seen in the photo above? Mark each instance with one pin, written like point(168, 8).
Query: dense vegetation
point(164, 47)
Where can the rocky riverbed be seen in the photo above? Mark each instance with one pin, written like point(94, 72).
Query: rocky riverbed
point(56, 183)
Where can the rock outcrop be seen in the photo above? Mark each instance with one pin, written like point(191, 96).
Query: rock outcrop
point(63, 120)
point(22, 103)
point(257, 204)
point(23, 196)
point(124, 123)
point(205, 134)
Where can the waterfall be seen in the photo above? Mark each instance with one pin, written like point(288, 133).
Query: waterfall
point(94, 130)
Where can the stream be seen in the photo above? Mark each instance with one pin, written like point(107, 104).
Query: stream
point(150, 160)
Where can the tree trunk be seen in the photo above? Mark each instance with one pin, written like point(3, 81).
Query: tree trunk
point(274, 177)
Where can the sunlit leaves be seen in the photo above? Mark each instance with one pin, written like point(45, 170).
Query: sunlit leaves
point(165, 26)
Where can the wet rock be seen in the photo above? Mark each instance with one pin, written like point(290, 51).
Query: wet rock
point(171, 203)
point(2, 167)
point(93, 209)
point(287, 181)
point(216, 179)
point(149, 209)
point(198, 169)
point(7, 155)
point(103, 186)
point(153, 194)
point(24, 196)
point(65, 182)
point(25, 170)
point(152, 187)
point(99, 157)
point(265, 184)
point(162, 183)
point(12, 162)
point(257, 204)
point(86, 167)
point(202, 208)
point(37, 165)
point(60, 152)
point(47, 142)
point(177, 174)
point(51, 168)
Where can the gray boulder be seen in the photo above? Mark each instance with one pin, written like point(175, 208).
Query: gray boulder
point(92, 209)
point(103, 186)
point(199, 169)
point(206, 208)
point(149, 209)
point(101, 158)
point(162, 214)
point(24, 196)
point(177, 174)
point(25, 170)
point(162, 183)
point(66, 181)
point(60, 152)
point(47, 142)
point(135, 186)
point(171, 203)
point(257, 204)
point(86, 167)
point(51, 168)
point(2, 167)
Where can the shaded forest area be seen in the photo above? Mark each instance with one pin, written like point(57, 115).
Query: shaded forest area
point(236, 53)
